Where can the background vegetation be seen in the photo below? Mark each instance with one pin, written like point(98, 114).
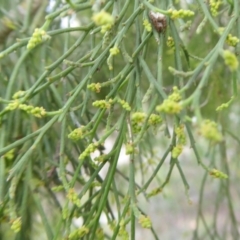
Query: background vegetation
point(119, 127)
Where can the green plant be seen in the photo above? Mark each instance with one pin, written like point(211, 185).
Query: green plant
point(124, 76)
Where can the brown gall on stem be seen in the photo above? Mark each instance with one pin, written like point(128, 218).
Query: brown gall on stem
point(159, 21)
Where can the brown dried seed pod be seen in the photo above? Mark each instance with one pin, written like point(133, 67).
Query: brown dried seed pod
point(159, 21)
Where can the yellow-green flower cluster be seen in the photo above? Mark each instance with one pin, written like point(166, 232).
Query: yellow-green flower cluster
point(78, 133)
point(147, 25)
point(177, 150)
point(154, 119)
point(122, 231)
point(138, 117)
point(102, 104)
point(181, 137)
point(175, 96)
point(137, 120)
point(114, 51)
point(145, 221)
point(209, 130)
point(171, 105)
point(12, 105)
point(214, 6)
point(18, 94)
point(78, 233)
point(35, 111)
point(125, 105)
point(38, 36)
point(232, 40)
point(16, 224)
point(230, 60)
point(224, 105)
point(95, 87)
point(218, 174)
point(90, 149)
point(103, 19)
point(174, 14)
point(129, 148)
point(73, 197)
point(181, 140)
point(170, 42)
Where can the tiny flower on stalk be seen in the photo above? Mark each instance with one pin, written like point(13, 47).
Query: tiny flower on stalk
point(38, 37)
point(103, 19)
point(95, 87)
point(102, 104)
point(145, 221)
point(16, 224)
point(174, 14)
point(230, 60)
point(218, 174)
point(147, 25)
point(171, 105)
point(208, 129)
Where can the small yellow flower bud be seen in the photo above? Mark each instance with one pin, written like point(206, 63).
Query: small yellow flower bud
point(232, 40)
point(16, 225)
point(73, 197)
point(114, 50)
point(18, 94)
point(90, 149)
point(95, 87)
point(230, 60)
point(78, 233)
point(77, 133)
point(102, 104)
point(154, 119)
point(174, 14)
point(124, 105)
point(129, 149)
point(180, 134)
point(214, 6)
point(147, 25)
point(38, 112)
point(209, 130)
point(12, 105)
point(38, 36)
point(103, 19)
point(169, 106)
point(138, 117)
point(145, 221)
point(177, 150)
point(170, 42)
point(218, 174)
